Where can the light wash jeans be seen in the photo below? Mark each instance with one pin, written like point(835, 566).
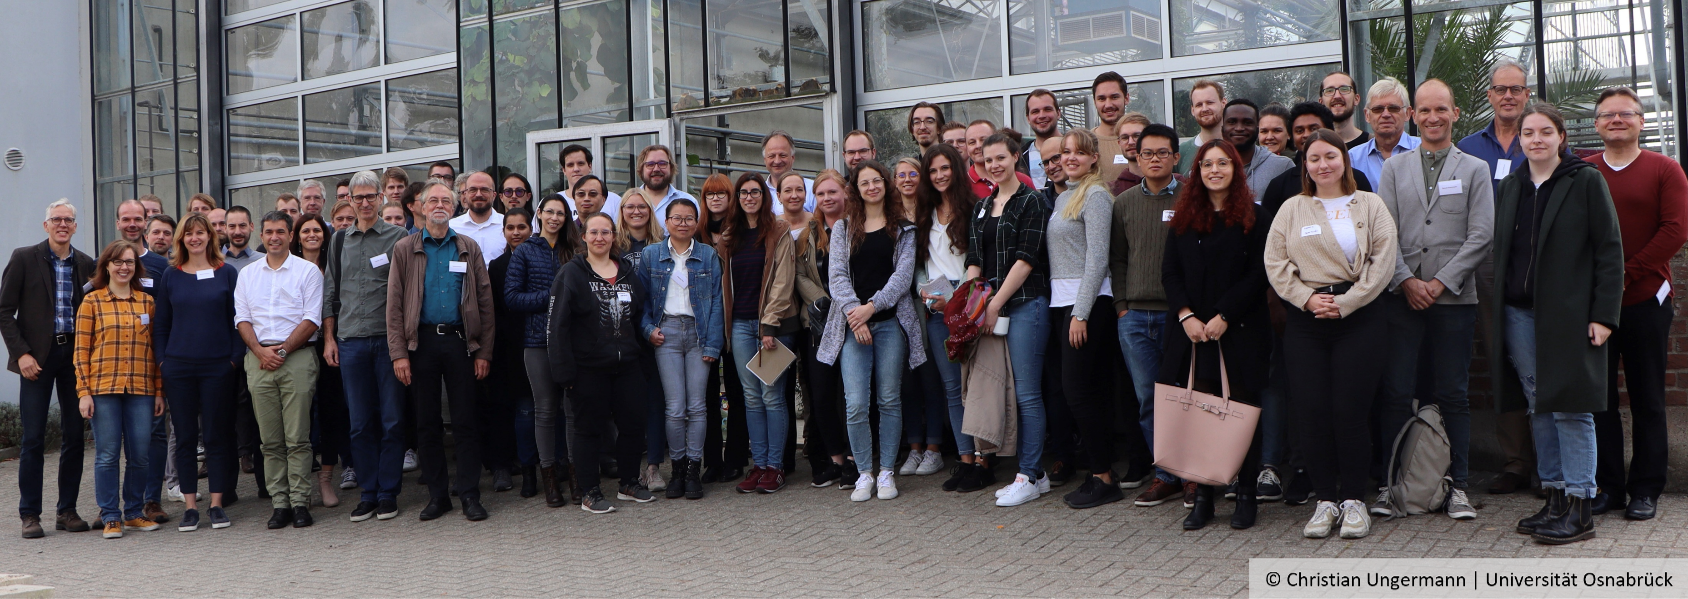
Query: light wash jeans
point(764, 405)
point(122, 423)
point(679, 362)
point(1028, 338)
point(1140, 340)
point(1565, 453)
point(950, 372)
point(870, 370)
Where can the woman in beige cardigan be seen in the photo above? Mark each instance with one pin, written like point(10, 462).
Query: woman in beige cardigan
point(1330, 252)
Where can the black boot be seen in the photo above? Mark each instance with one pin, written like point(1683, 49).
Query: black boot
point(694, 480)
point(530, 481)
point(1576, 524)
point(553, 495)
point(1243, 518)
point(676, 479)
point(1553, 509)
point(1203, 511)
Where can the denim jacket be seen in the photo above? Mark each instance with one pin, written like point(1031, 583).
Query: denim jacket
point(703, 272)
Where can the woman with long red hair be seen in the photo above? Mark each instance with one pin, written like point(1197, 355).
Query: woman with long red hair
point(1215, 280)
point(723, 459)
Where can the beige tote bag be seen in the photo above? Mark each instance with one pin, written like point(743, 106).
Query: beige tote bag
point(1198, 437)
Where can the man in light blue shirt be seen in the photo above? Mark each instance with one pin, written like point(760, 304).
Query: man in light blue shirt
point(1387, 110)
point(656, 172)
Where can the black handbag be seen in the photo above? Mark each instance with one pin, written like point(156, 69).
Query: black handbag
point(817, 317)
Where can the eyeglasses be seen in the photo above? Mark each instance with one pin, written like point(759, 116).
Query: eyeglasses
point(1161, 154)
point(908, 175)
point(479, 191)
point(513, 192)
point(123, 262)
point(657, 164)
point(925, 120)
point(1628, 115)
point(1216, 163)
point(682, 220)
point(1052, 160)
point(365, 198)
point(715, 194)
point(62, 221)
point(1131, 136)
point(756, 192)
point(1340, 89)
point(1389, 108)
point(873, 181)
point(1509, 90)
point(562, 213)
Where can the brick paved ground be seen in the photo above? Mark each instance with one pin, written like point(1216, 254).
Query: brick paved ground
point(799, 542)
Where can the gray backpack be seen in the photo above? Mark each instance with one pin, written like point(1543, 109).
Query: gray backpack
point(1418, 467)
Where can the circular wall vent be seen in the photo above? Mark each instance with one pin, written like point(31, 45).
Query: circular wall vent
point(14, 159)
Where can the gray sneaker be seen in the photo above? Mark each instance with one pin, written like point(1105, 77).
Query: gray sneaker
point(911, 465)
point(1459, 507)
point(1381, 507)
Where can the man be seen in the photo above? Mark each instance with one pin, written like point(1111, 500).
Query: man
point(1130, 131)
point(278, 306)
point(219, 223)
point(656, 173)
point(1207, 106)
point(1651, 197)
point(161, 231)
point(924, 123)
point(1109, 93)
point(311, 197)
point(153, 205)
point(354, 324)
point(1304, 119)
point(779, 155)
point(442, 170)
point(343, 190)
point(1387, 109)
point(1242, 128)
point(288, 204)
point(977, 132)
point(1045, 121)
point(1137, 244)
point(1056, 182)
point(858, 146)
point(479, 222)
point(955, 134)
point(1444, 217)
point(1339, 93)
point(577, 163)
point(238, 254)
point(440, 329)
point(131, 227)
point(132, 221)
point(239, 227)
point(39, 294)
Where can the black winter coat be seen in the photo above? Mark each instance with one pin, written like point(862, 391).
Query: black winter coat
point(1219, 272)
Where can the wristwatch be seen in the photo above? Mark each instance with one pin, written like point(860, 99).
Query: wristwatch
point(281, 353)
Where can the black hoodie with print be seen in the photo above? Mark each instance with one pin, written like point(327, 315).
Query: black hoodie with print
point(594, 322)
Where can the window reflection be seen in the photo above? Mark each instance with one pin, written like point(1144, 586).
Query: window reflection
point(1202, 26)
point(1046, 35)
point(262, 55)
point(1284, 86)
point(343, 123)
point(419, 28)
point(340, 38)
point(263, 136)
point(422, 110)
point(919, 42)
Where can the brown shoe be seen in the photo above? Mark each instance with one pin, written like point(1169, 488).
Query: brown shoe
point(1189, 496)
point(246, 464)
point(548, 482)
point(1160, 492)
point(327, 486)
point(32, 527)
point(1508, 483)
point(155, 512)
point(68, 521)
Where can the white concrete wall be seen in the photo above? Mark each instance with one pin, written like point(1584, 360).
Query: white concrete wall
point(46, 111)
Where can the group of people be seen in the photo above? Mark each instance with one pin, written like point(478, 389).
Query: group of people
point(1285, 258)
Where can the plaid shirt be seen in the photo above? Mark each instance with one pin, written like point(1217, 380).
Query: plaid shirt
point(114, 346)
point(1019, 236)
point(64, 292)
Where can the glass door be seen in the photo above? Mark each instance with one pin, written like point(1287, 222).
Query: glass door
point(614, 147)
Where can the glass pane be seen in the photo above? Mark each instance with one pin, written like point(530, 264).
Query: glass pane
point(500, 7)
point(811, 58)
point(106, 197)
point(261, 199)
point(1078, 111)
point(471, 9)
point(733, 143)
point(340, 38)
point(1202, 26)
point(153, 33)
point(685, 53)
point(188, 183)
point(1595, 45)
point(187, 39)
point(187, 124)
point(890, 126)
point(475, 59)
point(649, 55)
point(1046, 35)
point(343, 123)
point(422, 110)
point(592, 63)
point(916, 42)
point(551, 167)
point(525, 66)
point(264, 136)
point(155, 126)
point(1284, 86)
point(238, 6)
point(163, 186)
point(112, 146)
point(418, 28)
point(619, 153)
point(263, 54)
point(746, 53)
point(111, 45)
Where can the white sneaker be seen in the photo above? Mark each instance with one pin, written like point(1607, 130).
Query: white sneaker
point(1356, 523)
point(175, 494)
point(864, 488)
point(409, 460)
point(1381, 506)
point(653, 479)
point(931, 462)
point(1325, 516)
point(911, 464)
point(887, 485)
point(1459, 507)
point(1042, 486)
point(1022, 490)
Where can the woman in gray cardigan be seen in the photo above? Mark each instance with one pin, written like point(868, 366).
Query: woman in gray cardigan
point(872, 257)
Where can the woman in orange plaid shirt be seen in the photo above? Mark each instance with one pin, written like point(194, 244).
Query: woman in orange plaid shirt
point(118, 382)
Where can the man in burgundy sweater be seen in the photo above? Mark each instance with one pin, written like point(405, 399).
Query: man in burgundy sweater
point(1650, 193)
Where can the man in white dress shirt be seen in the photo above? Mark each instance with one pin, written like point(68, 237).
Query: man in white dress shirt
point(577, 163)
point(480, 222)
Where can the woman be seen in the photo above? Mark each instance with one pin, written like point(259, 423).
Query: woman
point(636, 229)
point(527, 294)
point(1215, 284)
point(760, 312)
point(923, 414)
point(510, 374)
point(117, 384)
point(1559, 272)
point(1081, 301)
point(331, 433)
point(941, 241)
point(343, 215)
point(907, 176)
point(201, 203)
point(683, 321)
point(595, 355)
point(394, 214)
point(826, 444)
point(870, 271)
point(194, 337)
point(792, 195)
point(1330, 252)
point(723, 459)
point(1274, 130)
point(514, 192)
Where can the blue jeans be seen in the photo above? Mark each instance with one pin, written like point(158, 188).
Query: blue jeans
point(1565, 454)
point(950, 372)
point(1140, 339)
point(526, 452)
point(685, 376)
point(375, 400)
point(764, 405)
point(880, 365)
point(57, 372)
point(1028, 338)
point(656, 436)
point(122, 423)
point(1448, 331)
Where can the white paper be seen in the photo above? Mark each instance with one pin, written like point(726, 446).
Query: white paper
point(205, 274)
point(378, 261)
point(1449, 188)
point(147, 283)
point(624, 297)
point(1166, 216)
point(1503, 167)
point(1311, 230)
point(1118, 159)
point(146, 319)
point(1001, 328)
point(1664, 292)
point(456, 266)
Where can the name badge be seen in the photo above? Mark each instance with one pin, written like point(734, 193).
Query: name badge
point(1119, 159)
point(205, 274)
point(146, 283)
point(1166, 216)
point(456, 266)
point(1311, 230)
point(146, 319)
point(679, 279)
point(1449, 188)
point(378, 261)
point(1503, 167)
point(624, 297)
point(982, 209)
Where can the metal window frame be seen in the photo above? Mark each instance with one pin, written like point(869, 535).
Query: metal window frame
point(663, 128)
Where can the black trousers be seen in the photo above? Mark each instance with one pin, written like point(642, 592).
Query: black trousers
point(441, 365)
point(603, 395)
point(735, 450)
point(1084, 380)
point(1249, 475)
point(1335, 367)
point(1640, 344)
point(823, 432)
point(497, 417)
point(332, 434)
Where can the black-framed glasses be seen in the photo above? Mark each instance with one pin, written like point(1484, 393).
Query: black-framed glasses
point(754, 192)
point(513, 192)
point(657, 164)
point(1509, 90)
point(63, 221)
point(480, 191)
point(1160, 154)
point(1053, 159)
point(364, 198)
point(682, 220)
point(123, 262)
point(1340, 89)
